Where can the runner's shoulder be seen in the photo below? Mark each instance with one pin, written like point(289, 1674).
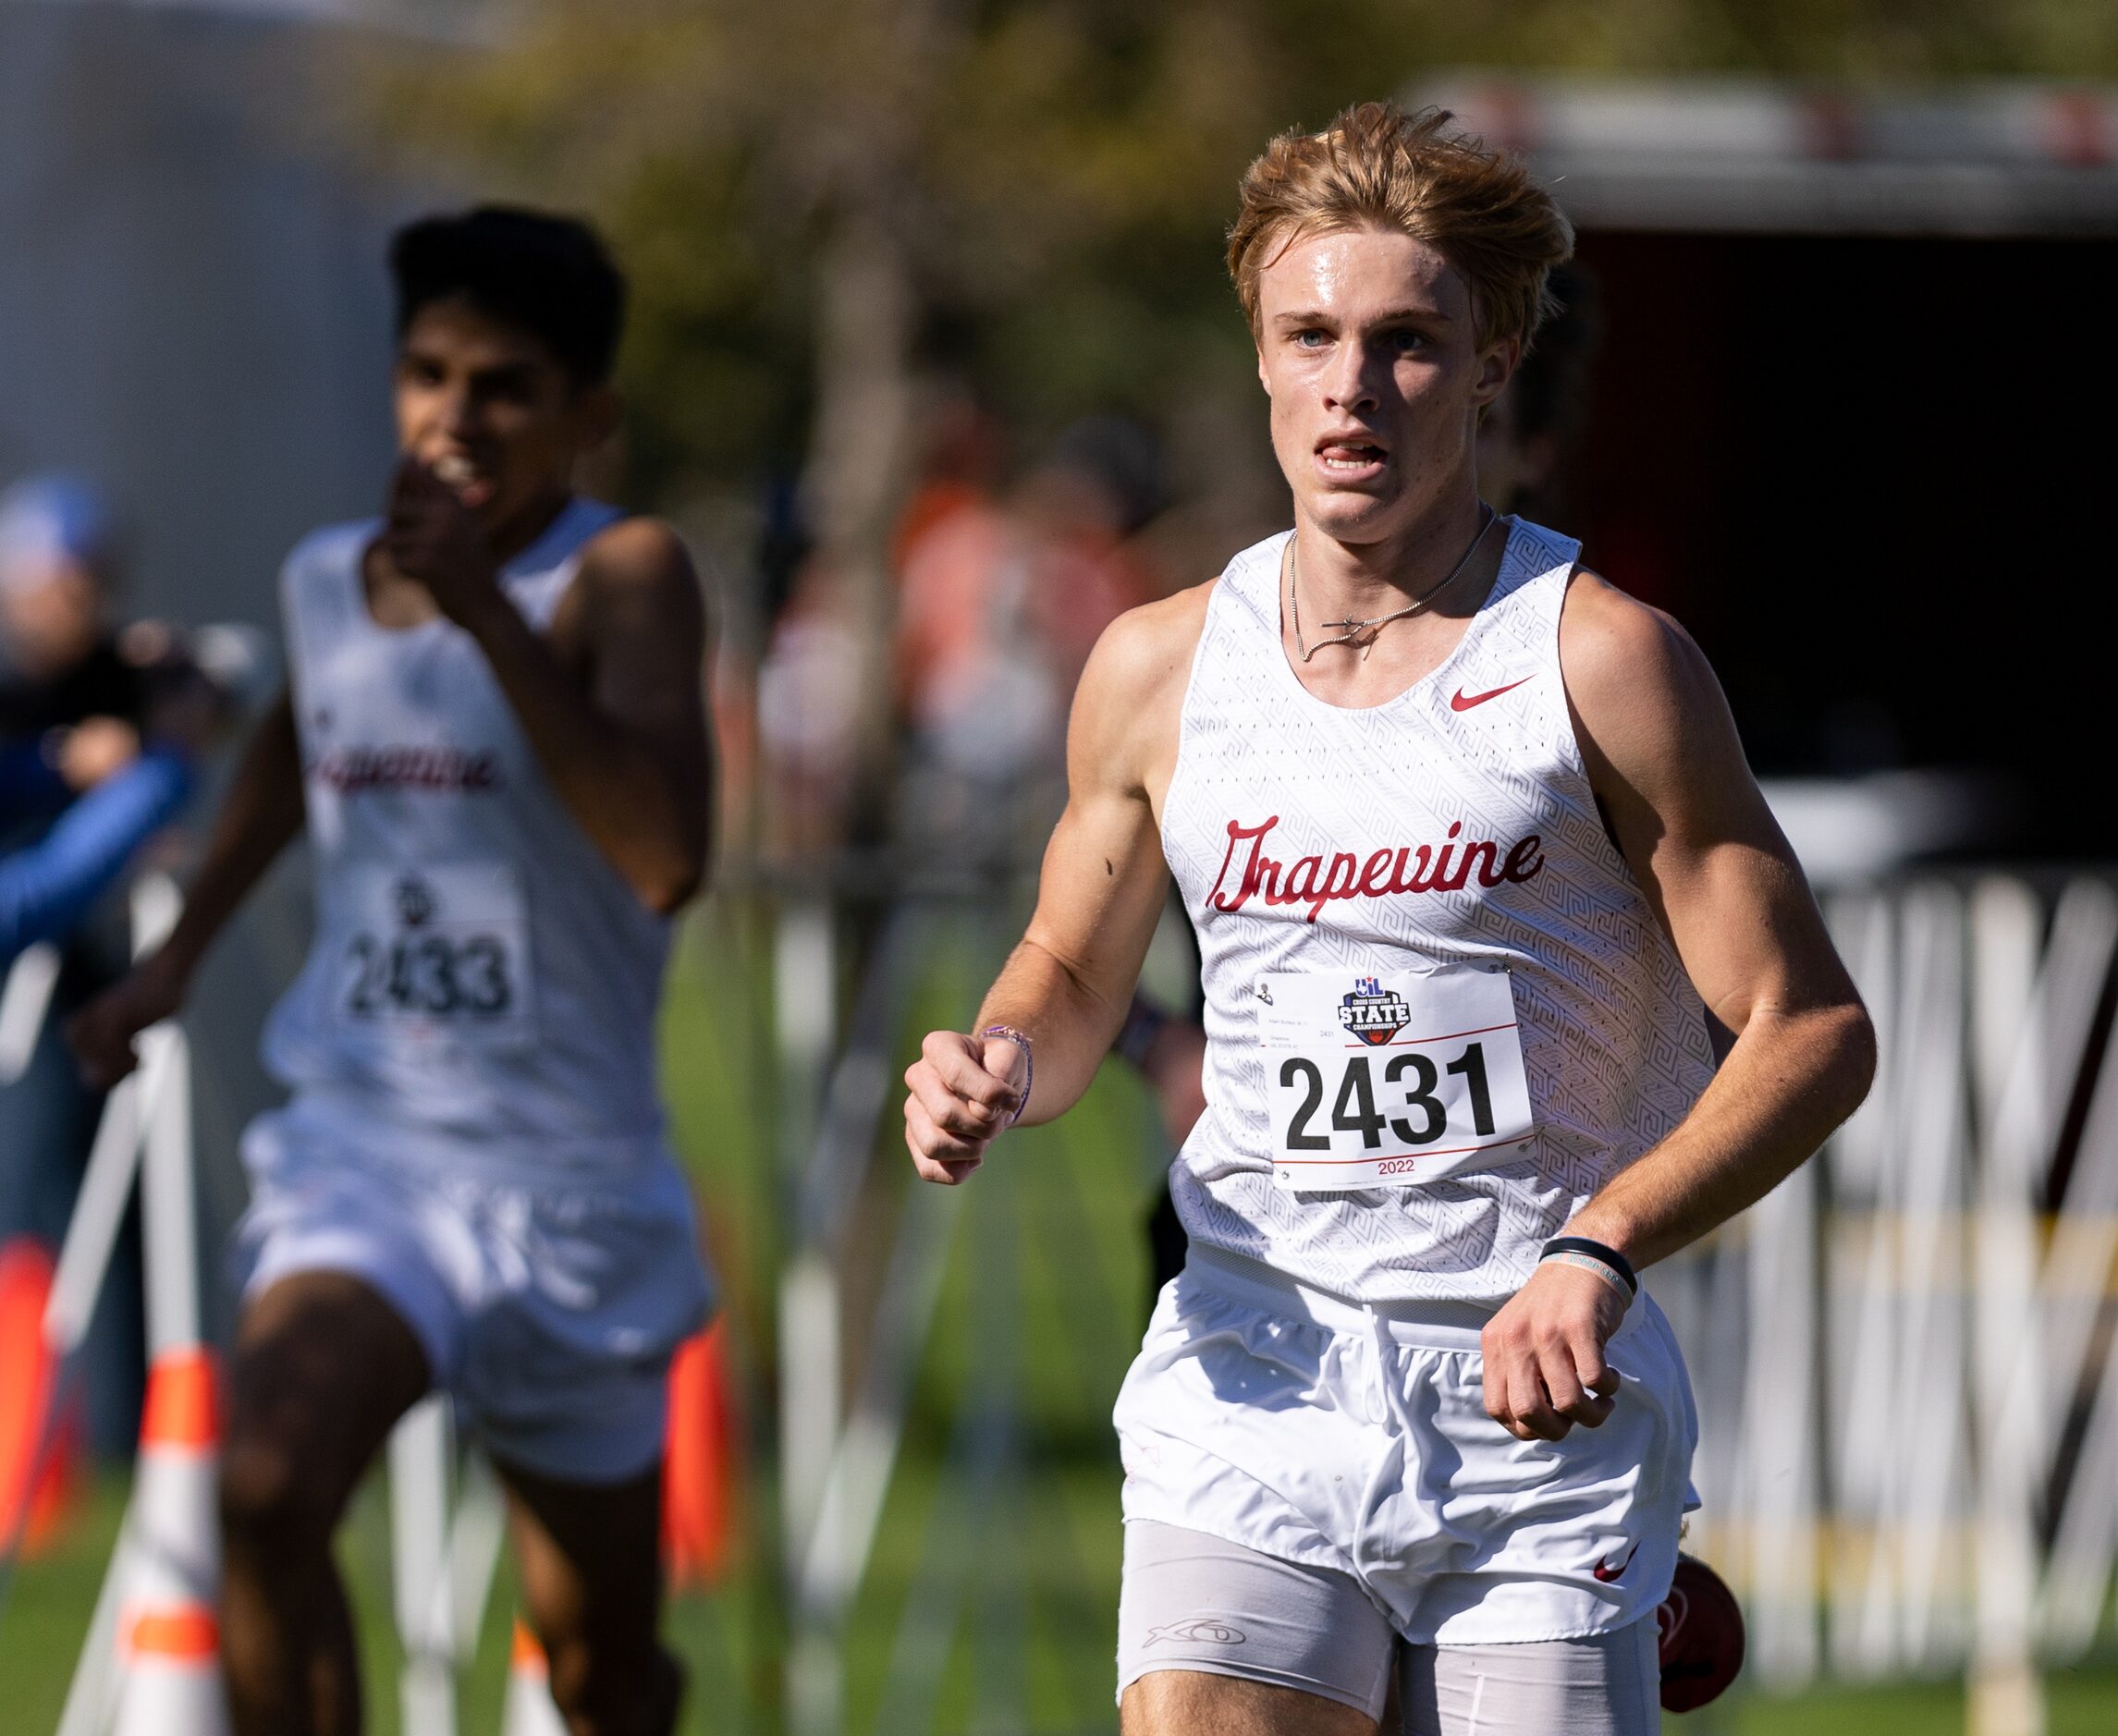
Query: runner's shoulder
point(1621, 657)
point(1130, 703)
point(638, 553)
point(635, 582)
point(1144, 656)
point(1649, 717)
point(337, 542)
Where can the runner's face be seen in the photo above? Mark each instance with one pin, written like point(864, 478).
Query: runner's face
point(1368, 351)
point(492, 408)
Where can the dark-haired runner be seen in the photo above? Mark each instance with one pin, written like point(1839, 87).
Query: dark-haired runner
point(496, 737)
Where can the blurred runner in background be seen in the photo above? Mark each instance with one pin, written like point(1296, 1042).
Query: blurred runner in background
point(496, 734)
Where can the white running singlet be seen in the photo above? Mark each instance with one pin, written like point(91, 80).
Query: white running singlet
point(1439, 1012)
point(480, 971)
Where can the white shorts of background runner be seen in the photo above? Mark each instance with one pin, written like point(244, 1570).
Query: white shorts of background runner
point(1355, 1438)
point(549, 1300)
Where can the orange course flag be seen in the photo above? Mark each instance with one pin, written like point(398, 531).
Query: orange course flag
point(34, 1502)
point(699, 1474)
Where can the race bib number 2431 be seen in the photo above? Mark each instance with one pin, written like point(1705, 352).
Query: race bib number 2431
point(1391, 1081)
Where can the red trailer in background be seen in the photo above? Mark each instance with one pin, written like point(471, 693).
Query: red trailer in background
point(1851, 413)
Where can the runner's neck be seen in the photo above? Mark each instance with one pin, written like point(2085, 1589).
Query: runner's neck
point(1341, 581)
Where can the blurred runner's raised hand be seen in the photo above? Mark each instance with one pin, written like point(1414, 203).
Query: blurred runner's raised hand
point(432, 535)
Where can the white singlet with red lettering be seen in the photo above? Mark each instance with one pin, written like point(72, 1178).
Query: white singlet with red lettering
point(1439, 1012)
point(480, 970)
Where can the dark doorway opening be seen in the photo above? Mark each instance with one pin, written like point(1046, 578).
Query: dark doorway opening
point(1873, 478)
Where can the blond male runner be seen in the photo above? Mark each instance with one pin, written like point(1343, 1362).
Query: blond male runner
point(1476, 866)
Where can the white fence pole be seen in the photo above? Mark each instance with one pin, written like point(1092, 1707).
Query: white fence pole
point(23, 1003)
point(421, 1449)
point(1956, 1498)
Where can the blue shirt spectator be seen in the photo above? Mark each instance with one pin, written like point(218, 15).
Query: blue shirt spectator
point(47, 886)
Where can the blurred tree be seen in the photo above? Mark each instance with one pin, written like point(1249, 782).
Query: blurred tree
point(1029, 191)
point(820, 200)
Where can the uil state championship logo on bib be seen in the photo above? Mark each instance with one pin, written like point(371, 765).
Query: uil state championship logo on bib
point(1373, 1013)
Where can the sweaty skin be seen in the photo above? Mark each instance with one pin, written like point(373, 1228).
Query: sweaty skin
point(1367, 347)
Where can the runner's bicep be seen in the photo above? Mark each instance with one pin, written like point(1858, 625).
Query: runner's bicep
point(1749, 935)
point(644, 646)
point(1720, 874)
point(1666, 764)
point(1104, 880)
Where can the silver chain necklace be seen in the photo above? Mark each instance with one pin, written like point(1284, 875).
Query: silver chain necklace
point(1372, 628)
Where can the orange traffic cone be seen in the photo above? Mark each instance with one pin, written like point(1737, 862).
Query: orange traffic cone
point(699, 1460)
point(530, 1711)
point(33, 1501)
point(168, 1639)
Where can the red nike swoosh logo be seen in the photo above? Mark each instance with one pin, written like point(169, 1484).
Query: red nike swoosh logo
point(1603, 1570)
point(1460, 701)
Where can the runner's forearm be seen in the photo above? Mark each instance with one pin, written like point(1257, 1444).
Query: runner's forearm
point(1791, 1078)
point(610, 781)
point(1070, 1023)
point(260, 816)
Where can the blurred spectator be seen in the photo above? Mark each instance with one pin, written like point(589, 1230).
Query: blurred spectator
point(76, 752)
point(97, 732)
point(963, 449)
point(808, 700)
point(1524, 441)
point(1000, 603)
point(1082, 511)
point(46, 887)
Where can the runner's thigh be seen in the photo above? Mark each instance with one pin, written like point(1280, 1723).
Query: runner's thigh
point(1215, 1637)
point(1605, 1686)
point(323, 1369)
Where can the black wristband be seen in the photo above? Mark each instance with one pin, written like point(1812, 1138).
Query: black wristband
point(1143, 1022)
point(1611, 1257)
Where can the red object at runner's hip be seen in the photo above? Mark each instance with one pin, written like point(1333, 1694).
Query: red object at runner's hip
point(1701, 1637)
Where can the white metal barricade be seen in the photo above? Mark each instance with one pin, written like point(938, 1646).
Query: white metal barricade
point(1906, 1357)
point(837, 1460)
point(145, 1132)
point(444, 1546)
point(446, 1518)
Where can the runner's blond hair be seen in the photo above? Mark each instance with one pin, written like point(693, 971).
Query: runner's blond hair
point(1378, 166)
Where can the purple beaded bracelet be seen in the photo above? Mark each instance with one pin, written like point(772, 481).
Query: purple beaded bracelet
point(1029, 1063)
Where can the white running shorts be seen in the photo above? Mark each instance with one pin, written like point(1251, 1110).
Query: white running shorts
point(548, 1300)
point(1197, 1603)
point(1355, 1438)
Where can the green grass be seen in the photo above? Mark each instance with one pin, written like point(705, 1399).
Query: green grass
point(2082, 1702)
point(989, 1603)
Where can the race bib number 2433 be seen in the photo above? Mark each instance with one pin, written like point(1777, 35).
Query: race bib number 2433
point(1391, 1081)
point(437, 946)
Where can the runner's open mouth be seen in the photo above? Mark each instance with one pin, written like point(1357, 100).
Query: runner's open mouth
point(1351, 455)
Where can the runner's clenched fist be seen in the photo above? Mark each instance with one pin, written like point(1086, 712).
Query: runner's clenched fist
point(962, 1091)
